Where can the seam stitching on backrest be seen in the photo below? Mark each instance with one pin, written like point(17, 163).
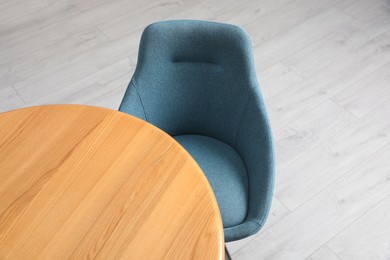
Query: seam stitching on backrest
point(242, 118)
point(140, 99)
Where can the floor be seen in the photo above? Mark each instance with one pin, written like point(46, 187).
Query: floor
point(324, 70)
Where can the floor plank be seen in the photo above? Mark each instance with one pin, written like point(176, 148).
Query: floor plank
point(272, 46)
point(276, 79)
point(242, 14)
point(288, 105)
point(339, 43)
point(367, 94)
point(302, 179)
point(309, 131)
point(285, 20)
point(155, 11)
point(9, 99)
point(34, 63)
point(370, 232)
point(92, 87)
point(76, 68)
point(324, 253)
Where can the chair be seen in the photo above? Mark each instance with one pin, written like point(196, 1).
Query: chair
point(196, 81)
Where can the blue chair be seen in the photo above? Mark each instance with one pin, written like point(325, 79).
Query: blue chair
point(196, 81)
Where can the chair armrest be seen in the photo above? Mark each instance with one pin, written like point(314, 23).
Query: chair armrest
point(254, 144)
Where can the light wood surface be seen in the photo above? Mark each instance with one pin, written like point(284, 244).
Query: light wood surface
point(323, 68)
point(86, 182)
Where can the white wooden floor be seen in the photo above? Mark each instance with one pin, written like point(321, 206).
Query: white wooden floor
point(324, 69)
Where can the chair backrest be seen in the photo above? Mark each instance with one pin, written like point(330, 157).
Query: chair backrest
point(193, 77)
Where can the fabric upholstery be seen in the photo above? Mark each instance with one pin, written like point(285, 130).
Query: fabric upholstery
point(226, 173)
point(197, 78)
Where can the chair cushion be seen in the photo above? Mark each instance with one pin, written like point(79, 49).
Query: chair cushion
point(226, 173)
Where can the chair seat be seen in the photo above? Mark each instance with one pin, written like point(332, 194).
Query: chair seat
point(226, 173)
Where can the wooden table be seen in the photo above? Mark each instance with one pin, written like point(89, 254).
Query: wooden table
point(87, 182)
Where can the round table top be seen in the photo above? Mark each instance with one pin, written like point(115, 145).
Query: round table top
point(79, 181)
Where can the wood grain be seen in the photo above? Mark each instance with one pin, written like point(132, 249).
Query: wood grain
point(87, 182)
